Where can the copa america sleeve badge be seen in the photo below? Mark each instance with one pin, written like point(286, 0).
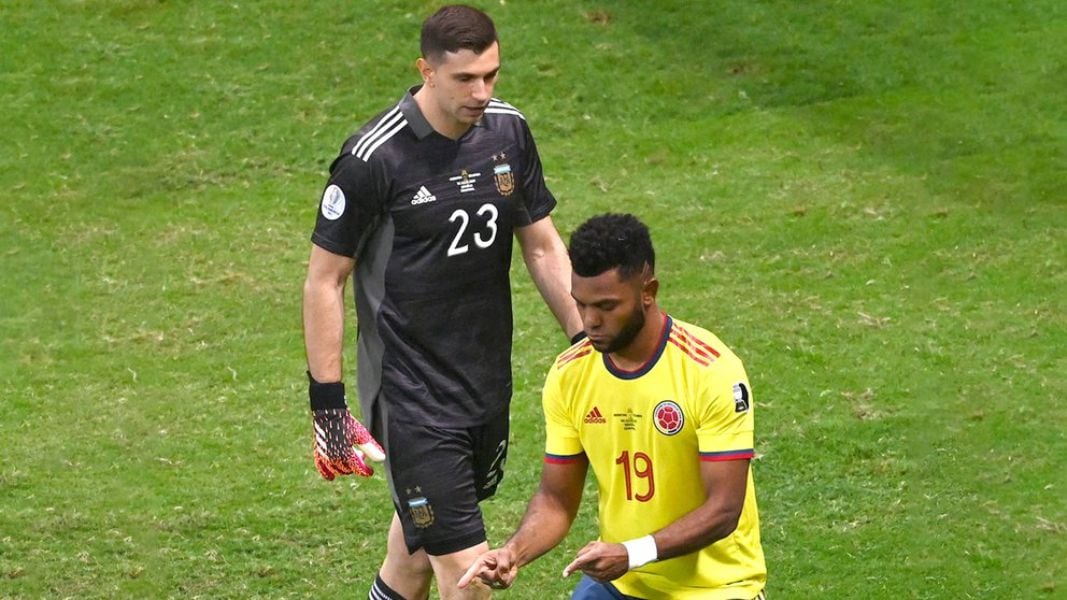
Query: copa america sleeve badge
point(333, 202)
point(741, 397)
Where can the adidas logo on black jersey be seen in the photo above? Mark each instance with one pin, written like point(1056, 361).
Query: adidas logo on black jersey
point(423, 196)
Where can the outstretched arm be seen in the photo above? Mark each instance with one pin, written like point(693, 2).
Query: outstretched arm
point(546, 258)
point(547, 520)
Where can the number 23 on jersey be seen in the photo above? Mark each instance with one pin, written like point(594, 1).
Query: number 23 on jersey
point(484, 233)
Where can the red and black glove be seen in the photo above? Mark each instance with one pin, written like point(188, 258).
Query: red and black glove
point(337, 431)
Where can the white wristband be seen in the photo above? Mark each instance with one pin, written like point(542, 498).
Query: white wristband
point(641, 551)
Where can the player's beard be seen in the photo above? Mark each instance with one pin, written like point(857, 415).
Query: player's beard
point(628, 332)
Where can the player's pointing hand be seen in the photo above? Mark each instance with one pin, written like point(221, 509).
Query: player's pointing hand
point(601, 561)
point(495, 568)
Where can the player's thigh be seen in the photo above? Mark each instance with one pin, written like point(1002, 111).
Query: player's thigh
point(432, 476)
point(590, 589)
point(398, 560)
point(490, 446)
point(448, 568)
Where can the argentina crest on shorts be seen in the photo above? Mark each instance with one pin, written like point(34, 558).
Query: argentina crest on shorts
point(421, 512)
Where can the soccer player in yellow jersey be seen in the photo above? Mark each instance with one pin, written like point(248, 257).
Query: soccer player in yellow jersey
point(662, 412)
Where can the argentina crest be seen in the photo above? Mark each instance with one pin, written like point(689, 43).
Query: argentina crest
point(421, 512)
point(502, 175)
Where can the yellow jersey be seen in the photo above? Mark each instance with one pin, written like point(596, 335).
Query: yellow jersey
point(644, 433)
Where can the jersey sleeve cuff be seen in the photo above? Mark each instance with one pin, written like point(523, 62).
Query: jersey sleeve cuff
point(563, 459)
point(331, 246)
point(720, 456)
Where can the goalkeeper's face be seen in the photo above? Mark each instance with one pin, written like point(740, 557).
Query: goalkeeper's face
point(460, 85)
point(612, 308)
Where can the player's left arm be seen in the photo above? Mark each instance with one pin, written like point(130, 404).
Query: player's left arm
point(724, 483)
point(546, 258)
point(726, 442)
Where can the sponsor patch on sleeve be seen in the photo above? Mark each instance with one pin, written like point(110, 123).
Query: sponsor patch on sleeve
point(741, 397)
point(333, 203)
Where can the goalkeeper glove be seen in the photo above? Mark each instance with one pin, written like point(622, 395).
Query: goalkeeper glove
point(336, 432)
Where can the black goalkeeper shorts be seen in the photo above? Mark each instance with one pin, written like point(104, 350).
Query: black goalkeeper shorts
point(438, 475)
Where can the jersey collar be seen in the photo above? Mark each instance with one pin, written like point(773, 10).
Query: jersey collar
point(416, 120)
point(668, 324)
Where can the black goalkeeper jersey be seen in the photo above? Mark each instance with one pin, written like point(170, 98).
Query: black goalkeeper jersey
point(430, 221)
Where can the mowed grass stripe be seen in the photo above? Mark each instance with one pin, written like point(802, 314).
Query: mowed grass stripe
point(865, 200)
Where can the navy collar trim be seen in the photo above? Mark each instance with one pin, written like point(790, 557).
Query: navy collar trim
point(668, 324)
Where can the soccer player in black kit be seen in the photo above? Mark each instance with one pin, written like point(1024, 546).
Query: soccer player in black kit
point(420, 208)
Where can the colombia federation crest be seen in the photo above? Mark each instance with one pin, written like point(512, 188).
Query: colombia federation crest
point(668, 417)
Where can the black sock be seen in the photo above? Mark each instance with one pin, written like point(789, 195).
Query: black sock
point(380, 591)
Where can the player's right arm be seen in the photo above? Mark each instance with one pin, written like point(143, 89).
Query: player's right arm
point(324, 312)
point(347, 214)
point(553, 507)
point(336, 430)
point(349, 211)
point(547, 520)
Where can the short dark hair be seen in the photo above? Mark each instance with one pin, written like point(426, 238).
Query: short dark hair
point(454, 28)
point(607, 241)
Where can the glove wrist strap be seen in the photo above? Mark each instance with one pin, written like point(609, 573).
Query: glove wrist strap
point(326, 395)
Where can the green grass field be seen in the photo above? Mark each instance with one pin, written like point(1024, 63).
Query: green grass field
point(866, 200)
